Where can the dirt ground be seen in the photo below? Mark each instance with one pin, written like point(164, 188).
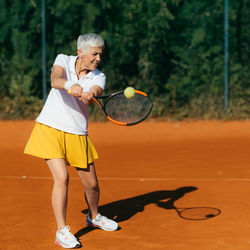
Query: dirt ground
point(147, 173)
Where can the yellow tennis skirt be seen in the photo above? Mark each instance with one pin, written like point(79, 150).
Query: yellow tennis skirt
point(50, 143)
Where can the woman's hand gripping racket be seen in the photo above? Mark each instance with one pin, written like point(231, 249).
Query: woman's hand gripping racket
point(125, 111)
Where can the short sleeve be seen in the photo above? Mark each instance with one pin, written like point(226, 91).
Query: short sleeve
point(101, 81)
point(92, 79)
point(61, 60)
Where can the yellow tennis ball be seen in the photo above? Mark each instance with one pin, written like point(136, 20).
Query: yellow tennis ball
point(69, 91)
point(129, 92)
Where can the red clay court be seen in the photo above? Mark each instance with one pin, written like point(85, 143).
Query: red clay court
point(146, 174)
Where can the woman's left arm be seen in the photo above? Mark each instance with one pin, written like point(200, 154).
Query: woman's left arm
point(86, 96)
point(96, 90)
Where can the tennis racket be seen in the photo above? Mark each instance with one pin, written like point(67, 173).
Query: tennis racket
point(125, 111)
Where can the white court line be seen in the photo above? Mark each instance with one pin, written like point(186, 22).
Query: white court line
point(132, 179)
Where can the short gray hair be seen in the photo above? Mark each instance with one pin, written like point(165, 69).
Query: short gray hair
point(86, 41)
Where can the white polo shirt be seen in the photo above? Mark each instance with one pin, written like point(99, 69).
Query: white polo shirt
point(63, 111)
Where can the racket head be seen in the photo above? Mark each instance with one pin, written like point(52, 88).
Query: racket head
point(127, 111)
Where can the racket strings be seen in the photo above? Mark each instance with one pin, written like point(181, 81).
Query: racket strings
point(128, 110)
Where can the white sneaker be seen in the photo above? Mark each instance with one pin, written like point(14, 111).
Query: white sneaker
point(66, 239)
point(101, 222)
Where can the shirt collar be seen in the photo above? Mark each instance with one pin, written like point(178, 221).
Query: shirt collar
point(90, 75)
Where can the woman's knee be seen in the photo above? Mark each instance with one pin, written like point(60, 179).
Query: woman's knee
point(61, 180)
point(59, 171)
point(88, 178)
point(92, 186)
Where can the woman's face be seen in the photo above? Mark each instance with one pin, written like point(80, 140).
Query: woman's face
point(91, 59)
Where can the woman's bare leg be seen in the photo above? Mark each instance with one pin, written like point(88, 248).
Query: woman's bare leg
point(59, 172)
point(89, 180)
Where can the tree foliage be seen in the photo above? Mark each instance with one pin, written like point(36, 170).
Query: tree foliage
point(172, 49)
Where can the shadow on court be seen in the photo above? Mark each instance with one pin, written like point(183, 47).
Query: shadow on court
point(123, 210)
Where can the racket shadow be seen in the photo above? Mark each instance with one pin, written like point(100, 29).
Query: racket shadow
point(125, 209)
point(189, 213)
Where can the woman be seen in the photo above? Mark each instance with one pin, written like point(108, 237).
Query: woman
point(61, 132)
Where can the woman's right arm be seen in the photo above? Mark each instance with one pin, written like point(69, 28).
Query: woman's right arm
point(58, 82)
